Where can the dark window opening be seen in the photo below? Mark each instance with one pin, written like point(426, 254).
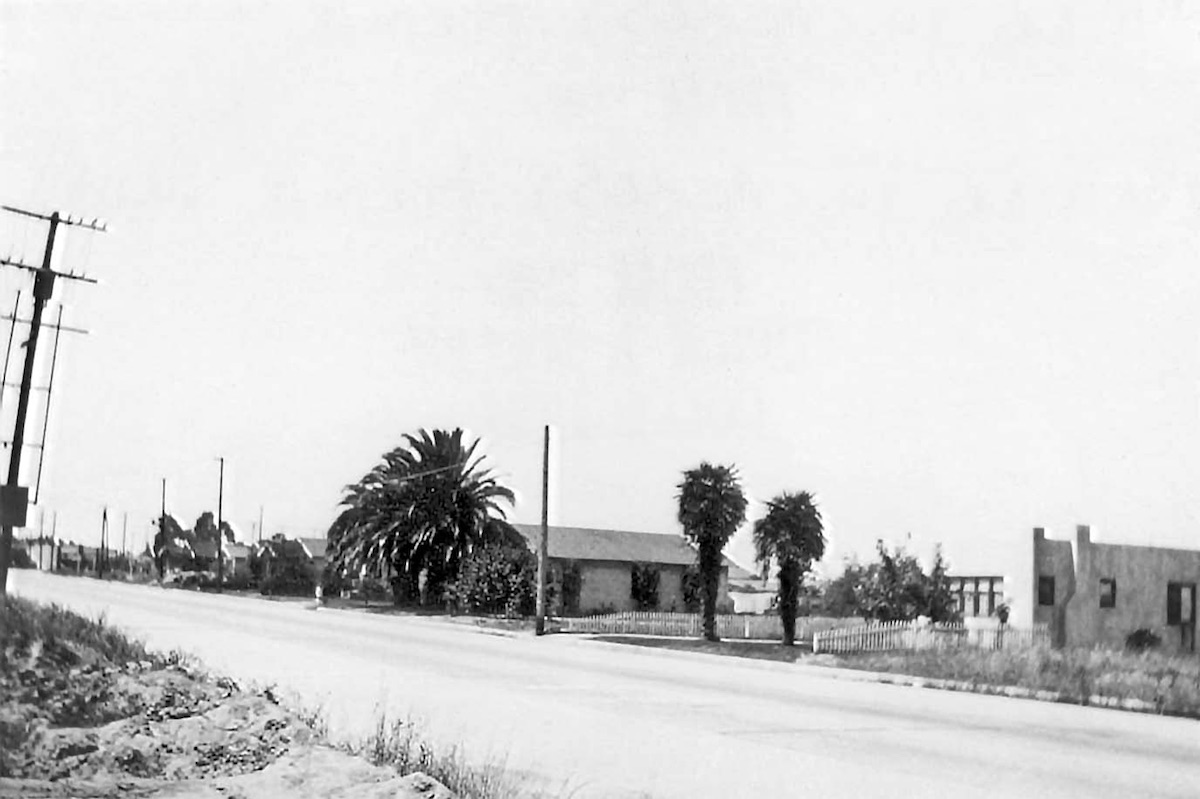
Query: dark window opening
point(1108, 593)
point(1181, 602)
point(1045, 590)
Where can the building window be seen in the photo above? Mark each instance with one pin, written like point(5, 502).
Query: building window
point(1108, 593)
point(991, 597)
point(1181, 599)
point(1045, 589)
point(975, 596)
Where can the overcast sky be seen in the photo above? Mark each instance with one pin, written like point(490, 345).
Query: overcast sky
point(937, 262)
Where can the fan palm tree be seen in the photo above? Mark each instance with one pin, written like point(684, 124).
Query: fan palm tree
point(428, 505)
point(711, 508)
point(791, 536)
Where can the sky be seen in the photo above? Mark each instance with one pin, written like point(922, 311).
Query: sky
point(935, 262)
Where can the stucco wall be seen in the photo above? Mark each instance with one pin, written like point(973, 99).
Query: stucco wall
point(605, 584)
point(670, 588)
point(1142, 575)
point(1053, 558)
point(609, 584)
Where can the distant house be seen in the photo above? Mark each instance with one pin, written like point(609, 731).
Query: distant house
point(237, 560)
point(283, 560)
point(314, 550)
point(749, 592)
point(977, 596)
point(602, 570)
point(206, 554)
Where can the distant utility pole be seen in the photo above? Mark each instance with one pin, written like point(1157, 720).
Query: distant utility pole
point(162, 531)
point(260, 515)
point(124, 551)
point(14, 499)
point(220, 533)
point(102, 555)
point(543, 540)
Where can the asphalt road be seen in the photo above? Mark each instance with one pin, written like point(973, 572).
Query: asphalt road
point(593, 720)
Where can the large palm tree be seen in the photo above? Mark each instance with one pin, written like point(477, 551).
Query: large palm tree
point(792, 537)
point(711, 508)
point(425, 507)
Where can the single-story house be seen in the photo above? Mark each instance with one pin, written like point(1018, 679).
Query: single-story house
point(595, 571)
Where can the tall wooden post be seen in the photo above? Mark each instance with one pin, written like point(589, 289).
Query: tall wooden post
point(543, 540)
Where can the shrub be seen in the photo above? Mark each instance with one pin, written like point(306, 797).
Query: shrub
point(496, 579)
point(644, 586)
point(691, 587)
point(21, 559)
point(287, 577)
point(1141, 640)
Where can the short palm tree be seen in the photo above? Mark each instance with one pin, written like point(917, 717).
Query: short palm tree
point(427, 506)
point(712, 507)
point(792, 537)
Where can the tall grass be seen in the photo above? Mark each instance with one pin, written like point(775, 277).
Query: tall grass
point(1168, 683)
point(62, 634)
point(403, 745)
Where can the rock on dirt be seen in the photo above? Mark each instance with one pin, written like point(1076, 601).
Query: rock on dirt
point(187, 735)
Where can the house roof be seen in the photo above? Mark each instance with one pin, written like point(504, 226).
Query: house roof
point(314, 547)
point(205, 549)
point(581, 543)
point(736, 572)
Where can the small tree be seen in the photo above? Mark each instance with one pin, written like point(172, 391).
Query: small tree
point(643, 587)
point(712, 507)
point(791, 536)
point(896, 588)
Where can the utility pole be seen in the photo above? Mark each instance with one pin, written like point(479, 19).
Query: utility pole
point(14, 499)
point(162, 531)
point(102, 555)
point(543, 540)
point(220, 533)
point(260, 515)
point(124, 551)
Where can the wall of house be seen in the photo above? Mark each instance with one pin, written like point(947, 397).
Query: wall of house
point(605, 584)
point(670, 589)
point(1052, 558)
point(1141, 575)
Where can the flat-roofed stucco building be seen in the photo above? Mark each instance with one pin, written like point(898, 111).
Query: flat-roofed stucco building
point(1092, 593)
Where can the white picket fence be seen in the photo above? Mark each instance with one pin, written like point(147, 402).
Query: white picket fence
point(690, 625)
point(888, 636)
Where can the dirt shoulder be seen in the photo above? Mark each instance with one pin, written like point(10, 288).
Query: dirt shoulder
point(84, 714)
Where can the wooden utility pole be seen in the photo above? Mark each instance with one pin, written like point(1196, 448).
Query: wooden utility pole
point(220, 533)
point(124, 551)
point(14, 499)
point(102, 555)
point(543, 539)
point(159, 552)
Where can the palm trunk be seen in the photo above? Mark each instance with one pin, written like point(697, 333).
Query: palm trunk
point(789, 596)
point(710, 576)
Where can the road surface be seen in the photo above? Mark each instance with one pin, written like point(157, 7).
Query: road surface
point(592, 720)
